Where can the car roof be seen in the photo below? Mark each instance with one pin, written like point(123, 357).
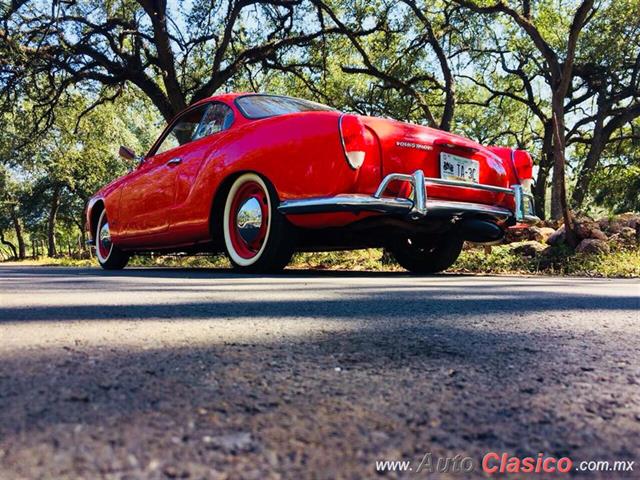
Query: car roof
point(225, 97)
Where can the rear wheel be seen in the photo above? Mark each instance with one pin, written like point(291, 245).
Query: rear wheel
point(419, 255)
point(257, 237)
point(109, 256)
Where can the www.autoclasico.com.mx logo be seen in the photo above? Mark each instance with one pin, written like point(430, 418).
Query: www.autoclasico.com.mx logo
point(501, 463)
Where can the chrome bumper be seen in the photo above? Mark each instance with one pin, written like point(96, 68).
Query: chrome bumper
point(420, 206)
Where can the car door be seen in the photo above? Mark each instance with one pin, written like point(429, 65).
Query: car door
point(149, 194)
point(216, 118)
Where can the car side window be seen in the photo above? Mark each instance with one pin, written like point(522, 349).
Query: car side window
point(198, 123)
point(216, 118)
point(183, 130)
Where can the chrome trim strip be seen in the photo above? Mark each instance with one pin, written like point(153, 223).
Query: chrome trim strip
point(344, 147)
point(451, 207)
point(417, 181)
point(401, 177)
point(419, 194)
point(517, 196)
point(357, 203)
point(346, 203)
point(477, 186)
point(420, 206)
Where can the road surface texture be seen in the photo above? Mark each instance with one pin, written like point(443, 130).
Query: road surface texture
point(163, 373)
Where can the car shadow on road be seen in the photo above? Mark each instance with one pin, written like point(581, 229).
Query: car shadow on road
point(374, 303)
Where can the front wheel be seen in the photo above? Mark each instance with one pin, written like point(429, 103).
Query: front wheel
point(257, 237)
point(426, 255)
point(109, 256)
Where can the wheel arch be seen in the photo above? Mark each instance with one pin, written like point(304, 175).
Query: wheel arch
point(217, 204)
point(95, 210)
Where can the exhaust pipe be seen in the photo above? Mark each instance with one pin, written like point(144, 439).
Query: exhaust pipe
point(479, 231)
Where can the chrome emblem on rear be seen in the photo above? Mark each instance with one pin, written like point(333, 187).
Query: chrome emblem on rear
point(419, 146)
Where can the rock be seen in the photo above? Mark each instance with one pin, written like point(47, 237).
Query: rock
point(603, 223)
point(528, 249)
point(522, 234)
point(629, 219)
point(526, 233)
point(629, 234)
point(584, 226)
point(598, 234)
point(555, 224)
point(557, 237)
point(592, 246)
point(616, 224)
point(519, 234)
point(541, 234)
point(616, 240)
point(625, 238)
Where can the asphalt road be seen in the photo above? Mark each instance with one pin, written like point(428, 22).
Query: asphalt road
point(206, 374)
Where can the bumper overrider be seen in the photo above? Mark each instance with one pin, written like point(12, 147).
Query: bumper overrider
point(420, 206)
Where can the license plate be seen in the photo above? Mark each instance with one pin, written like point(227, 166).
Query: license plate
point(453, 167)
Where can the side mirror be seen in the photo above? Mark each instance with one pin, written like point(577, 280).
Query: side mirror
point(126, 153)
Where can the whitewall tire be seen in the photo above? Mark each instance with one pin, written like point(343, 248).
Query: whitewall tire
point(256, 236)
point(109, 256)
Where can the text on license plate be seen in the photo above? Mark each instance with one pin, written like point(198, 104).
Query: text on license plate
point(453, 167)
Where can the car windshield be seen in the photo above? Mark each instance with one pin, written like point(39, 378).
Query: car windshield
point(262, 106)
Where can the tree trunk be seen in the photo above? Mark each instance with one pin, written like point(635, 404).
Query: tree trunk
point(83, 235)
point(51, 227)
point(586, 173)
point(11, 246)
point(546, 162)
point(540, 192)
point(593, 155)
point(558, 185)
point(559, 193)
point(17, 226)
point(557, 182)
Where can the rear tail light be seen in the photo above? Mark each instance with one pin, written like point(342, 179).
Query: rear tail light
point(353, 136)
point(523, 164)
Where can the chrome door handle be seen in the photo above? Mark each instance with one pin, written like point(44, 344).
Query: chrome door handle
point(174, 161)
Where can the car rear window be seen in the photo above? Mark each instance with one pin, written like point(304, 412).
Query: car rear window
point(262, 106)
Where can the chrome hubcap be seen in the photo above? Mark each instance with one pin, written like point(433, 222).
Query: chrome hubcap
point(105, 237)
point(249, 219)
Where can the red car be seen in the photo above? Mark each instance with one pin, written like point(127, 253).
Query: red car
point(261, 176)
